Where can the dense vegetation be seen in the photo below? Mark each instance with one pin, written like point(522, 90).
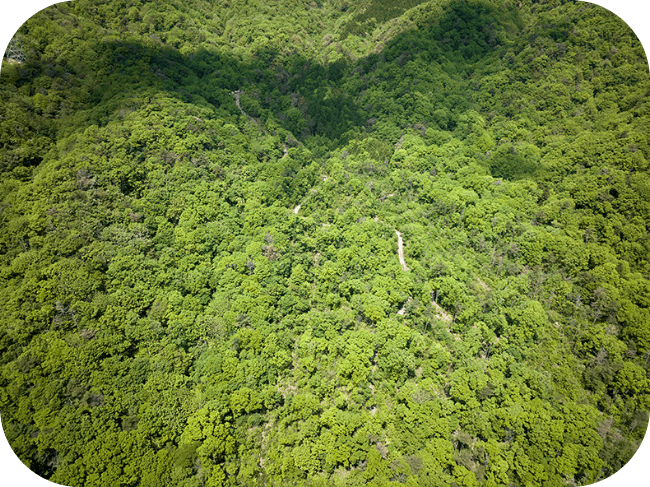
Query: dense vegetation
point(199, 273)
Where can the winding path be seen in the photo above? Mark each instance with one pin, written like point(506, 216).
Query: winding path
point(237, 94)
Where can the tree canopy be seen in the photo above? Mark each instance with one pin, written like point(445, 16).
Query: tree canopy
point(203, 206)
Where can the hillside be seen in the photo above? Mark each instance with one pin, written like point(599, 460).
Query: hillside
point(269, 242)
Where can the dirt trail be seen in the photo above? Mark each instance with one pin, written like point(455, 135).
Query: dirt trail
point(400, 245)
point(400, 250)
point(237, 94)
point(297, 209)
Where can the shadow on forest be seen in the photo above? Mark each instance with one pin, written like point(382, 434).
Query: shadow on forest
point(317, 103)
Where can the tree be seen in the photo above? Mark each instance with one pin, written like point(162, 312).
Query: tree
point(207, 429)
point(15, 51)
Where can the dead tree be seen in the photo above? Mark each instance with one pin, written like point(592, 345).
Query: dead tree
point(15, 51)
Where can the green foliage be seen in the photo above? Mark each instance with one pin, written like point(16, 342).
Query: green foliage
point(201, 207)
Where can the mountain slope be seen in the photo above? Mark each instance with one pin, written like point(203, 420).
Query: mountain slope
point(170, 318)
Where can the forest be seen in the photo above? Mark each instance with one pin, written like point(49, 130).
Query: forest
point(324, 243)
